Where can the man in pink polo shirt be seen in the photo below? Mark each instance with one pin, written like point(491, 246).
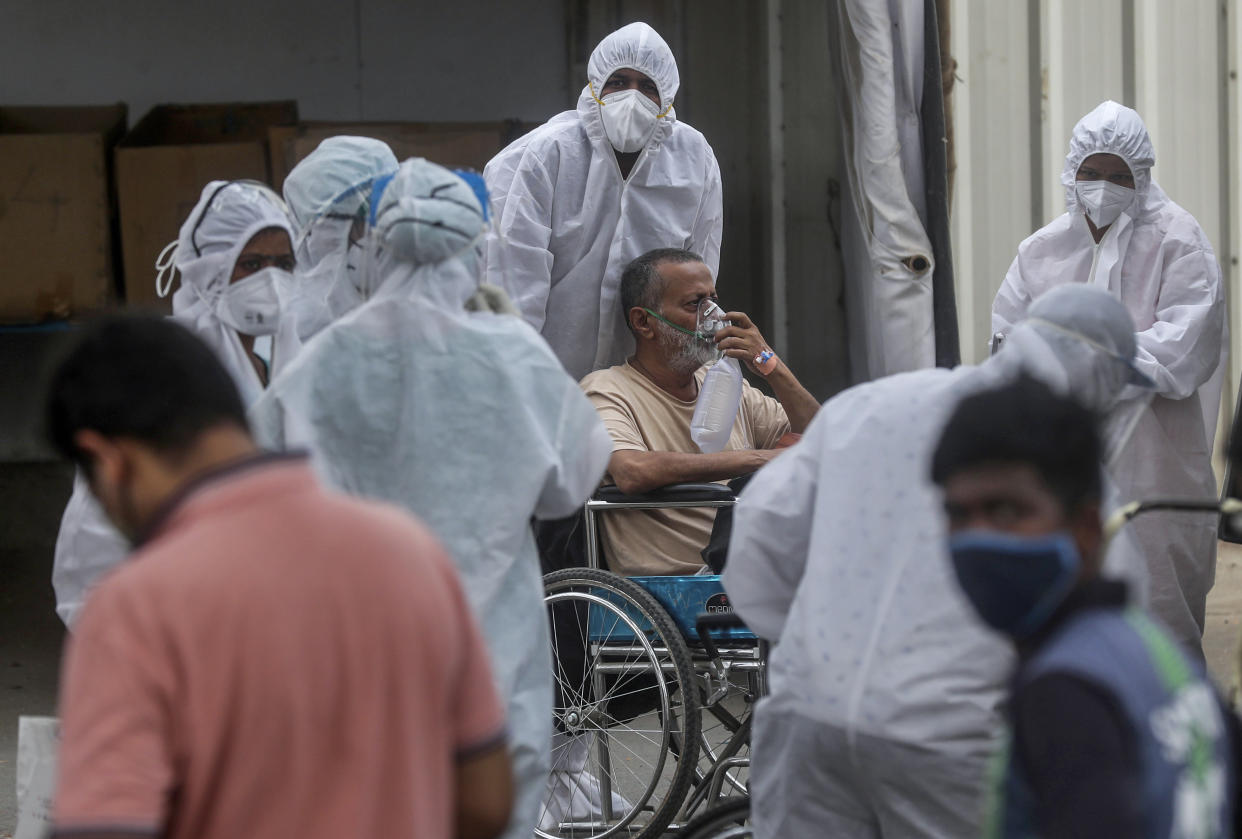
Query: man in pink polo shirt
point(274, 660)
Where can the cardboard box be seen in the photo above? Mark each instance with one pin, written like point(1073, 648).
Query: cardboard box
point(163, 164)
point(56, 230)
point(453, 144)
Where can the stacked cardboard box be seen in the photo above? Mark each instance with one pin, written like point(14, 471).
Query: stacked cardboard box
point(56, 230)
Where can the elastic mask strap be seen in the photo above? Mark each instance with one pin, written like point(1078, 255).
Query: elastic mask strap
point(166, 269)
point(660, 317)
point(600, 102)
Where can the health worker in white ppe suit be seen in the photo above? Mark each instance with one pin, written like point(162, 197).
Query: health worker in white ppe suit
point(234, 254)
point(328, 193)
point(1121, 233)
point(464, 418)
point(579, 197)
point(885, 687)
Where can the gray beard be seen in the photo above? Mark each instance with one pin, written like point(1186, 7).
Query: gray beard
point(684, 353)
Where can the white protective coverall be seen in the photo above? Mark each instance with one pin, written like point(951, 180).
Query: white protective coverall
point(566, 223)
point(327, 192)
point(465, 419)
point(1155, 259)
point(885, 688)
point(224, 220)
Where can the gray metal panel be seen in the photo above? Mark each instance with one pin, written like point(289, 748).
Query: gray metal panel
point(993, 131)
point(409, 59)
point(814, 181)
point(1081, 55)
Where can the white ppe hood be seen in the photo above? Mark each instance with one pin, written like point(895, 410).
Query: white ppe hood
point(326, 191)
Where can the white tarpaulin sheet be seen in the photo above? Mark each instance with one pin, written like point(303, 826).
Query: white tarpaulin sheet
point(888, 256)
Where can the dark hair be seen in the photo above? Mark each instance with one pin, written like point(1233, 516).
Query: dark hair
point(1025, 422)
point(141, 377)
point(641, 283)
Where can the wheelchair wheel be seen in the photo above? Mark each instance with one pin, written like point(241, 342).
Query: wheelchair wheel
point(730, 819)
point(625, 691)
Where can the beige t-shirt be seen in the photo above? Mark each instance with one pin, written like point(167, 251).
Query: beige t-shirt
point(642, 417)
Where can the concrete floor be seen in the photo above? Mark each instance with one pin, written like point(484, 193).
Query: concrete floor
point(32, 496)
point(1224, 618)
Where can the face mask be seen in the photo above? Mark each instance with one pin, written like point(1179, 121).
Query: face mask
point(1103, 201)
point(1014, 583)
point(710, 318)
point(252, 304)
point(629, 119)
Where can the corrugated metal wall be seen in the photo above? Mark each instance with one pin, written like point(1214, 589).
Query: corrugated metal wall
point(1029, 69)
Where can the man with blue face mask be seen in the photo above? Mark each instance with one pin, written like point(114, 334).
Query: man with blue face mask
point(577, 198)
point(1123, 234)
point(1114, 731)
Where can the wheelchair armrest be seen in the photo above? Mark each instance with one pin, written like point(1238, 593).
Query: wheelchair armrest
point(671, 493)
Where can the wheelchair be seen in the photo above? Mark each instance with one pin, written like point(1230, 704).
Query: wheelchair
point(655, 680)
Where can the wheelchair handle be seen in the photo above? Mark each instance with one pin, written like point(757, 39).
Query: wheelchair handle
point(1123, 514)
point(705, 622)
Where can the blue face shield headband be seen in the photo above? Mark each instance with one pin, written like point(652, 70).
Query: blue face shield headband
point(475, 181)
point(1014, 583)
point(377, 191)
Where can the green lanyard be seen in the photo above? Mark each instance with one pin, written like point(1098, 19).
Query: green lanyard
point(1176, 675)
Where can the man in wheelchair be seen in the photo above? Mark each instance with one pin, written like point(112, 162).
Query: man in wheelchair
point(648, 402)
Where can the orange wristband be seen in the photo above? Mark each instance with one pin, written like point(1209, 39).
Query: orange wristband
point(766, 362)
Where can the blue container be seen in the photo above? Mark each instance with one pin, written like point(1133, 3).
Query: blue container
point(684, 598)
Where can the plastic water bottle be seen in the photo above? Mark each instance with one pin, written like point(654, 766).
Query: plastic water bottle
point(716, 408)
